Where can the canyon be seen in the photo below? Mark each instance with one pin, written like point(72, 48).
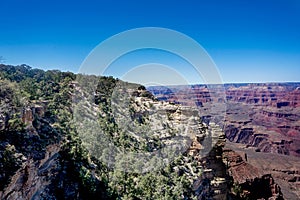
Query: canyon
point(262, 119)
point(54, 127)
point(264, 116)
point(88, 137)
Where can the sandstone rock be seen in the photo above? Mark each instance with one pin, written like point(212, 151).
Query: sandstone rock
point(27, 116)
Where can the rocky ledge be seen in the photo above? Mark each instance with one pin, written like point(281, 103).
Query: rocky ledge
point(248, 181)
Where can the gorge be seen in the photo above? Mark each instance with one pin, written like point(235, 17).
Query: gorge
point(73, 136)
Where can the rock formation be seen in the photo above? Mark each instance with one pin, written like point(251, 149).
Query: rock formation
point(249, 182)
point(45, 155)
point(265, 116)
point(262, 118)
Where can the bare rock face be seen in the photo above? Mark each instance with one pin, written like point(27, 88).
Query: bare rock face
point(27, 116)
point(32, 179)
point(41, 171)
point(28, 175)
point(213, 182)
point(240, 170)
point(30, 113)
point(249, 181)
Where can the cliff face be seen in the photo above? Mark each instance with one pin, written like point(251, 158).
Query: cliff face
point(249, 182)
point(212, 183)
point(263, 94)
point(31, 180)
point(44, 154)
point(77, 137)
point(36, 156)
point(264, 116)
point(198, 159)
point(267, 129)
point(260, 118)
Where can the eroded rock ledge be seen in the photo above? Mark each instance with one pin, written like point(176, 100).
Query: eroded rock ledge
point(248, 181)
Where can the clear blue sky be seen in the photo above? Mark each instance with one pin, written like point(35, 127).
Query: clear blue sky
point(249, 40)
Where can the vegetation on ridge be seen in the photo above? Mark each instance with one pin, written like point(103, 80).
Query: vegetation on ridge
point(78, 174)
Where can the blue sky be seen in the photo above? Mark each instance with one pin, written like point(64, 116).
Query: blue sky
point(250, 41)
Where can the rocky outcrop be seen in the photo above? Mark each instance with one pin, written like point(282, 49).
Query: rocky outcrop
point(48, 159)
point(31, 112)
point(249, 182)
point(262, 187)
point(213, 181)
point(27, 116)
point(239, 169)
point(35, 162)
point(32, 179)
point(43, 155)
point(30, 157)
